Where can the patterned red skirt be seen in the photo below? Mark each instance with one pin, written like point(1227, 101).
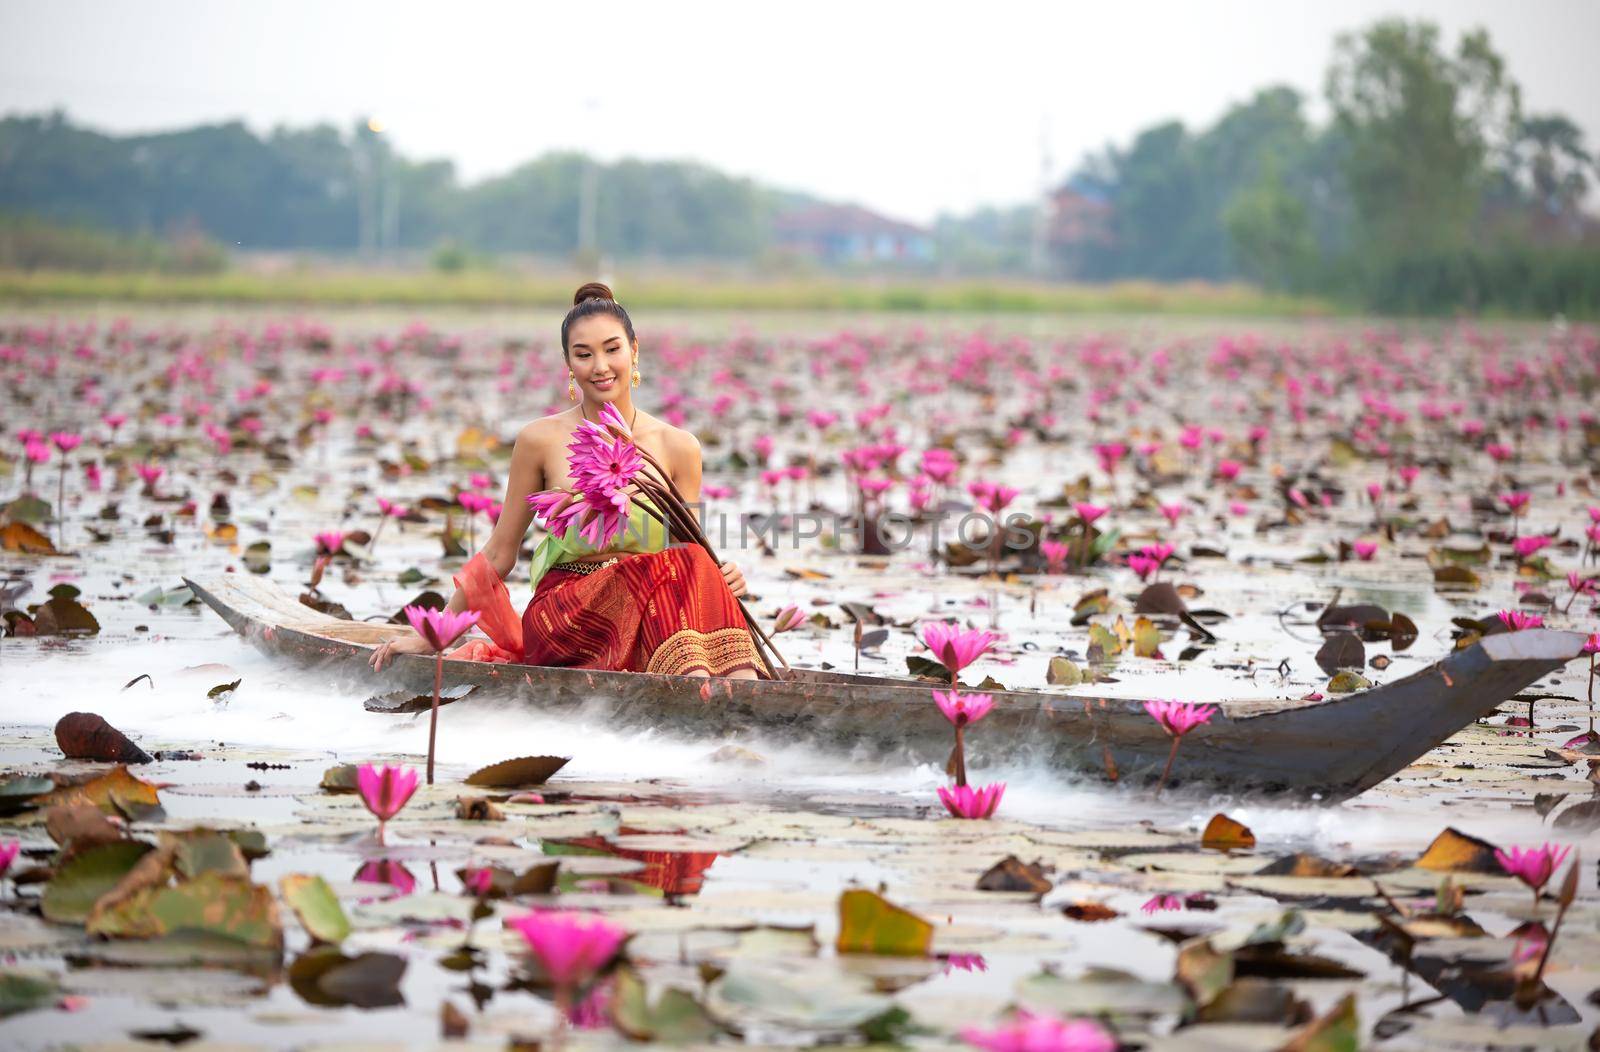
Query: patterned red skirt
point(668, 612)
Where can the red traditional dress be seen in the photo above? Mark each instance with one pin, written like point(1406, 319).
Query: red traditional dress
point(667, 611)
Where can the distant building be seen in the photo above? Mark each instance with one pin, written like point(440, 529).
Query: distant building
point(841, 234)
point(1079, 217)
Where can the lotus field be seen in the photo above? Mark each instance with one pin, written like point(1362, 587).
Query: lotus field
point(202, 846)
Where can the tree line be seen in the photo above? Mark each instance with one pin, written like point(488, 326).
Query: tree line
point(1430, 189)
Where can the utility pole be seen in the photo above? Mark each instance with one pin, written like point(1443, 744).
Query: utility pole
point(1037, 261)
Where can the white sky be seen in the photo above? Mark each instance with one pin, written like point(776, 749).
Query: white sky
point(909, 108)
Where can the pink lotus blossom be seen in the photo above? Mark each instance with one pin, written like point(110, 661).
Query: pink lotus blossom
point(1055, 554)
point(1365, 550)
point(390, 509)
point(991, 496)
point(66, 441)
point(1172, 513)
point(821, 419)
point(385, 790)
point(440, 627)
point(387, 871)
point(1110, 454)
point(1228, 470)
point(480, 881)
point(1159, 903)
point(8, 854)
point(1143, 565)
point(1089, 512)
point(330, 542)
point(1533, 866)
point(965, 962)
point(1526, 546)
point(963, 709)
point(1178, 718)
point(1592, 644)
point(965, 801)
point(1408, 474)
point(36, 452)
point(956, 647)
point(1516, 501)
point(1238, 508)
point(571, 947)
point(1041, 1033)
point(149, 473)
point(1517, 621)
point(114, 420)
point(789, 617)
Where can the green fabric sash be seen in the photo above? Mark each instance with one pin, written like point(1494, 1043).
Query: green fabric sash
point(642, 534)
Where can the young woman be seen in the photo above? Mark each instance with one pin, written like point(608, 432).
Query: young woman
point(639, 605)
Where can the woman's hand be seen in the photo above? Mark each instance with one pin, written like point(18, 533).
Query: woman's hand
point(406, 644)
point(735, 578)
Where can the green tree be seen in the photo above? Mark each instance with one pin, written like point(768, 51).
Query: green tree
point(1270, 229)
point(1422, 129)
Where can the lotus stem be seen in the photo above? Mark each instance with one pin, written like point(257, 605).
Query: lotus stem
point(433, 713)
point(1172, 754)
point(61, 501)
point(961, 754)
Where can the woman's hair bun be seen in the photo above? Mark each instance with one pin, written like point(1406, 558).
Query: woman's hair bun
point(594, 290)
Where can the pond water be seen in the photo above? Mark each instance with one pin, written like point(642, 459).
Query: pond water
point(299, 425)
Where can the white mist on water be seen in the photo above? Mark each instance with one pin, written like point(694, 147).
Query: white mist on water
point(280, 706)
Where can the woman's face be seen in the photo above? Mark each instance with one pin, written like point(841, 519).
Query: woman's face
point(600, 357)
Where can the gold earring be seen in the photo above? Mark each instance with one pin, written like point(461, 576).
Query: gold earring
point(572, 387)
point(636, 374)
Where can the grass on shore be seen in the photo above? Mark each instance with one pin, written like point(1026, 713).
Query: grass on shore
point(495, 288)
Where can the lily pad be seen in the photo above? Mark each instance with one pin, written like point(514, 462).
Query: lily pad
point(869, 923)
point(88, 875)
point(673, 1016)
point(314, 902)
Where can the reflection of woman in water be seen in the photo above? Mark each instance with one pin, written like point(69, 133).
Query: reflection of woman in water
point(638, 605)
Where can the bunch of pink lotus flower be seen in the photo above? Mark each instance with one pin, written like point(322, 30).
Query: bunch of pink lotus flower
point(603, 466)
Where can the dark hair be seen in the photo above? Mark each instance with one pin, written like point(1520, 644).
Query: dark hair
point(591, 299)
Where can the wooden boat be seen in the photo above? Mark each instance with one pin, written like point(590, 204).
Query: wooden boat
point(1327, 750)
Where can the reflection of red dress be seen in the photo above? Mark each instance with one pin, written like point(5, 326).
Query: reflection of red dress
point(668, 612)
point(674, 872)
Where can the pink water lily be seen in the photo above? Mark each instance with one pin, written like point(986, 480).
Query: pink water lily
point(9, 850)
point(66, 441)
point(385, 790)
point(330, 542)
point(1526, 546)
point(1055, 555)
point(1089, 512)
point(440, 627)
point(965, 801)
point(1041, 1033)
point(1159, 903)
point(963, 709)
point(956, 647)
point(570, 947)
point(1533, 866)
point(1365, 550)
point(1517, 621)
point(1177, 718)
point(788, 618)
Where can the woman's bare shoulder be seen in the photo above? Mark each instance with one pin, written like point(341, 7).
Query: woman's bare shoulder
point(545, 431)
point(673, 439)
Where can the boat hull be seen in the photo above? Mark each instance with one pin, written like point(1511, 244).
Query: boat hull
point(1328, 750)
